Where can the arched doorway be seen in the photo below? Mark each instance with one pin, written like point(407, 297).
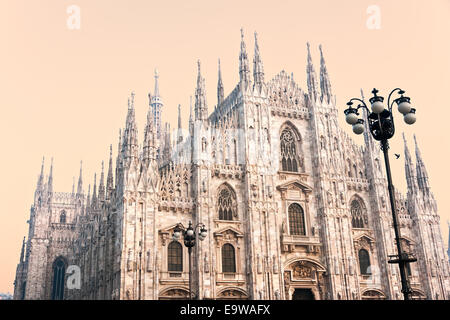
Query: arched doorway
point(303, 294)
point(304, 280)
point(59, 272)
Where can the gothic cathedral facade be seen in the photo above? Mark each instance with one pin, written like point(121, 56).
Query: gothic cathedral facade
point(293, 207)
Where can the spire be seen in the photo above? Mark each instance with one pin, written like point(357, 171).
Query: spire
point(311, 76)
point(50, 179)
point(156, 105)
point(22, 251)
point(220, 93)
point(244, 69)
point(88, 200)
point(40, 182)
point(167, 144)
point(73, 185)
point(422, 175)
point(101, 187)
point(80, 179)
point(409, 168)
point(258, 68)
point(325, 85)
point(190, 108)
point(130, 134)
point(119, 158)
point(149, 137)
point(156, 93)
point(201, 109)
point(180, 130)
point(109, 179)
point(94, 192)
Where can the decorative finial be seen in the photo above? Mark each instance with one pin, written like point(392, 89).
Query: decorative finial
point(242, 34)
point(132, 98)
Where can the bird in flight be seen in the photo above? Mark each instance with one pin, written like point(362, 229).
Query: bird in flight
point(397, 155)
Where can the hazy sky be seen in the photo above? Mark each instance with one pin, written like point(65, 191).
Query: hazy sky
point(64, 92)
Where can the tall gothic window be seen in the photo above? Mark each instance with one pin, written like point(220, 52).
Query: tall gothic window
point(357, 214)
point(175, 256)
point(62, 217)
point(225, 204)
point(59, 270)
point(364, 262)
point(228, 258)
point(296, 220)
point(289, 152)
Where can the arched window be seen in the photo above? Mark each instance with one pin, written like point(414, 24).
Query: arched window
point(225, 204)
point(59, 271)
point(228, 258)
point(175, 257)
point(296, 220)
point(357, 214)
point(62, 217)
point(289, 153)
point(364, 262)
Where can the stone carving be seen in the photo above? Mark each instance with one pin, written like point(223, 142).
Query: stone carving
point(301, 272)
point(129, 261)
point(149, 261)
point(258, 262)
point(206, 263)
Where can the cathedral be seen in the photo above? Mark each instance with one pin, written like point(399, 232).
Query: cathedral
point(294, 209)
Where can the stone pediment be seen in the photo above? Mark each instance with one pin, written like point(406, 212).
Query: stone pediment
point(168, 229)
point(166, 234)
point(228, 231)
point(366, 237)
point(295, 184)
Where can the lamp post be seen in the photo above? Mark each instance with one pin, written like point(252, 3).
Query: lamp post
point(382, 128)
point(189, 235)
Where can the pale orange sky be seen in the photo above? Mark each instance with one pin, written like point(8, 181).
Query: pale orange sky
point(64, 92)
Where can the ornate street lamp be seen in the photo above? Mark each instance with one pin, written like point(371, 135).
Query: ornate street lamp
point(189, 235)
point(381, 126)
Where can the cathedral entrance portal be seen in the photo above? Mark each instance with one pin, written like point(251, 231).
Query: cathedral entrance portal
point(303, 294)
point(303, 280)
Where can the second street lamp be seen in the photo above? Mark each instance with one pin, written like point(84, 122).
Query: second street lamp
point(189, 236)
point(381, 125)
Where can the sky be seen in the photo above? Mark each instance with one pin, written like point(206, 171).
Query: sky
point(64, 89)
